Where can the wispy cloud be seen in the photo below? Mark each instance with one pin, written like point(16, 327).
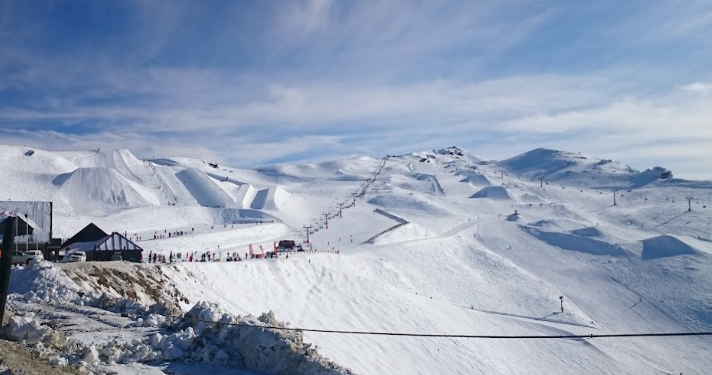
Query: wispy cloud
point(375, 76)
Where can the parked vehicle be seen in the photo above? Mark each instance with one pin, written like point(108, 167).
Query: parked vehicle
point(75, 256)
point(18, 257)
point(116, 257)
point(36, 253)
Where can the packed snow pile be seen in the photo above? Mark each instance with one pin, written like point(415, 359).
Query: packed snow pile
point(28, 329)
point(42, 282)
point(493, 192)
point(665, 246)
point(239, 342)
point(203, 335)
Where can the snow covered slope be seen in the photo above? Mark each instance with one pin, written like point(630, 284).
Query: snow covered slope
point(398, 245)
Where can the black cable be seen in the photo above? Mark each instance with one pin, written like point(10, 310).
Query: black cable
point(437, 335)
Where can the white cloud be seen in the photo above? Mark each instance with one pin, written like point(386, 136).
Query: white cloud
point(698, 88)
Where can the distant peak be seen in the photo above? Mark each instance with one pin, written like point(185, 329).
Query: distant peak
point(453, 150)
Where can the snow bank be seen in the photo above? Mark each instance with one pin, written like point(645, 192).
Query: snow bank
point(238, 342)
point(206, 335)
point(193, 337)
point(665, 246)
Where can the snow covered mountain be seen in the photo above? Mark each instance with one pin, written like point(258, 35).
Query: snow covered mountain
point(580, 170)
point(434, 242)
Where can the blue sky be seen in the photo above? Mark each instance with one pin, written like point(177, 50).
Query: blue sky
point(249, 83)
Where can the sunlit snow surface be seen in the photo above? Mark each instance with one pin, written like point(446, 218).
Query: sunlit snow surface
point(442, 242)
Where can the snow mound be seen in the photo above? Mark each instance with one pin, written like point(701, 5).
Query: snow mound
point(42, 282)
point(514, 217)
point(28, 329)
point(477, 179)
point(95, 190)
point(493, 192)
point(665, 246)
point(574, 242)
point(235, 342)
point(203, 189)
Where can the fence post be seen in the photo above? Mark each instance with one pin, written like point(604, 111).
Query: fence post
point(8, 242)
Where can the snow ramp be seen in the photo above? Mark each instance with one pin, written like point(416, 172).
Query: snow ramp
point(493, 192)
point(477, 179)
point(245, 195)
point(275, 198)
point(94, 191)
point(665, 246)
point(203, 189)
point(572, 242)
point(123, 161)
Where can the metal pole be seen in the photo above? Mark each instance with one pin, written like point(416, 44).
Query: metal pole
point(8, 242)
point(308, 228)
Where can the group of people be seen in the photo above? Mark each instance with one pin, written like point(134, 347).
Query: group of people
point(207, 256)
point(194, 256)
point(156, 235)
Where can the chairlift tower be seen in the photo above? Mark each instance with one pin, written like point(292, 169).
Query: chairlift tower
point(689, 204)
point(326, 221)
point(615, 191)
point(308, 228)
